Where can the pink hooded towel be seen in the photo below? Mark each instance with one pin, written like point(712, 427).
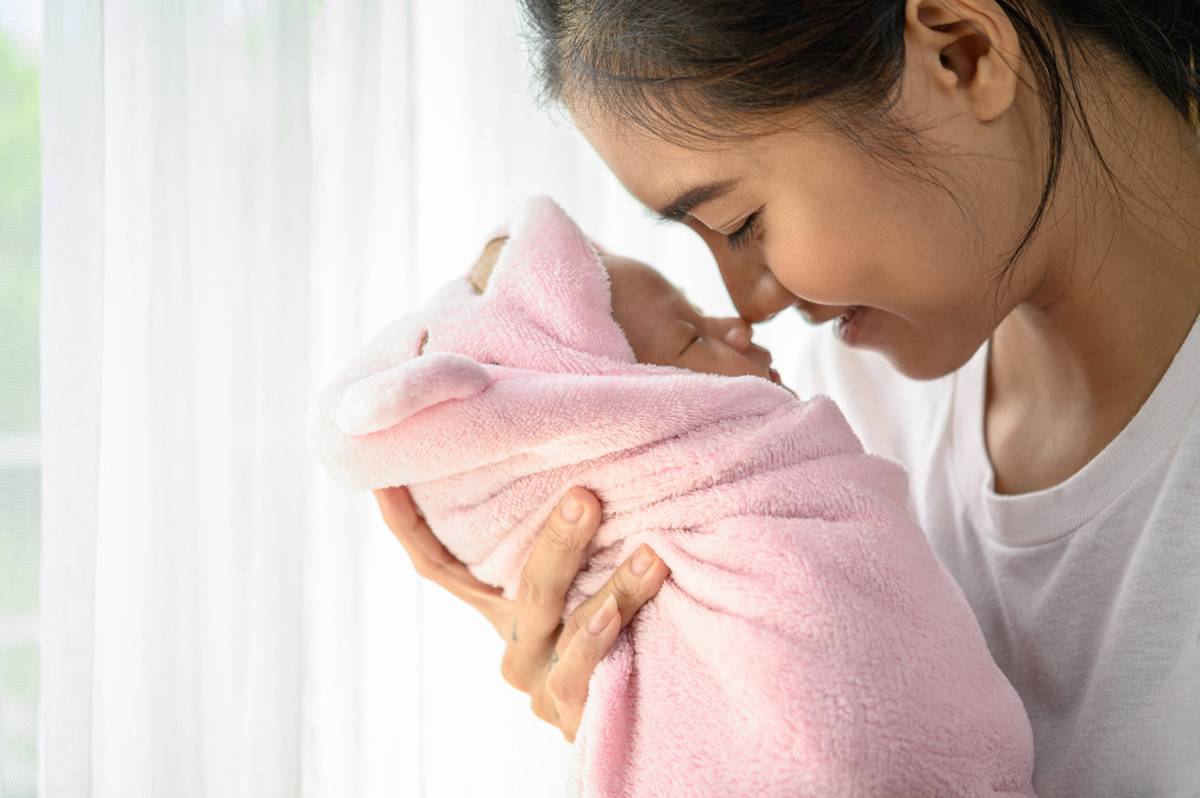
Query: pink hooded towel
point(807, 641)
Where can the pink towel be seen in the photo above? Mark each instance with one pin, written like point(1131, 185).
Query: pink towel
point(807, 641)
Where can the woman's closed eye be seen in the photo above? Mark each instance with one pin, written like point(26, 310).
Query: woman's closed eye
point(744, 233)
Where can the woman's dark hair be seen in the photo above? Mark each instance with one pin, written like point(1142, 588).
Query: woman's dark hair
point(702, 70)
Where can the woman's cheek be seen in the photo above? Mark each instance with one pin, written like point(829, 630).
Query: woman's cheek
point(815, 271)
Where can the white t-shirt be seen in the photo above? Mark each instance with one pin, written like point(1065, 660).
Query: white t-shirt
point(1088, 592)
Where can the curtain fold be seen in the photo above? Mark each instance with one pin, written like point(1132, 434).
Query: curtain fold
point(72, 273)
point(236, 196)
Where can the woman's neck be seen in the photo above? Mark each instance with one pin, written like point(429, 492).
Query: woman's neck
point(1073, 364)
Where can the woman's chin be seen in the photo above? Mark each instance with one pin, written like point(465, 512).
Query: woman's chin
point(925, 363)
point(915, 358)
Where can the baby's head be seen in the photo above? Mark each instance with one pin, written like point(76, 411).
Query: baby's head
point(543, 326)
point(662, 327)
point(665, 329)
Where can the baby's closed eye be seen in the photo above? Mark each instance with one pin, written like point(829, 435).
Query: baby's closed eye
point(694, 339)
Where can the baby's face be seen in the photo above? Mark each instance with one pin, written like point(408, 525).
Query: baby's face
point(665, 329)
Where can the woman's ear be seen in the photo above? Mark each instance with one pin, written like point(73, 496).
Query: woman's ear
point(388, 397)
point(966, 46)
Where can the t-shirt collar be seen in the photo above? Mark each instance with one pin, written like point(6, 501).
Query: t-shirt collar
point(1030, 519)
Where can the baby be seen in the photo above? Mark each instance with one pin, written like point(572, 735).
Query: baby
point(807, 640)
point(662, 327)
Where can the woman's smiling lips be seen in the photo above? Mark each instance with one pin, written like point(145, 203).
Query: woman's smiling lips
point(818, 314)
point(849, 318)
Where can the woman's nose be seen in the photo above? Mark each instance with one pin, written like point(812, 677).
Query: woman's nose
point(755, 292)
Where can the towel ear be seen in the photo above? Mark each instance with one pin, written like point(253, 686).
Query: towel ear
point(552, 271)
point(385, 399)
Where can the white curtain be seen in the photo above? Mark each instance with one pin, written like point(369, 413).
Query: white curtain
point(237, 193)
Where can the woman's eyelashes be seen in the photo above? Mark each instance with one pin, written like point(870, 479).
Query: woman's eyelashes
point(739, 237)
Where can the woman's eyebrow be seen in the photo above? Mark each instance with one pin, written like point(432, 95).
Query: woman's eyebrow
point(682, 205)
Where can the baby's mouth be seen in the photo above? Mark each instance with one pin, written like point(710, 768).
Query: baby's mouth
point(776, 379)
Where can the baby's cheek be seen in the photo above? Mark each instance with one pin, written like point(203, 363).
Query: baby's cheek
point(643, 350)
point(710, 358)
point(739, 366)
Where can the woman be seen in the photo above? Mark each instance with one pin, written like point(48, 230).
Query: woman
point(1000, 197)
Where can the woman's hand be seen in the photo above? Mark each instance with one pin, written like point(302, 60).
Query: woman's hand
point(545, 657)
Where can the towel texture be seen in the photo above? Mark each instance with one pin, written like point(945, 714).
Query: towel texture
point(807, 641)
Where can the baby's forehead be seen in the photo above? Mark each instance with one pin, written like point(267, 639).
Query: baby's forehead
point(632, 280)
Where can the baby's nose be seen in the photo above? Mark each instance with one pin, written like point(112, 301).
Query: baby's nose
point(738, 334)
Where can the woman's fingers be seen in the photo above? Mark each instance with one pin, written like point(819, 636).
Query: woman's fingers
point(431, 559)
point(566, 684)
point(557, 555)
point(588, 635)
point(551, 660)
point(632, 585)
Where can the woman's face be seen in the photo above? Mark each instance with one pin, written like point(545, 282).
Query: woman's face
point(806, 218)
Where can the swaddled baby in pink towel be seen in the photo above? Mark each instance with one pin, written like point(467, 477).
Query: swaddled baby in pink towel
point(807, 640)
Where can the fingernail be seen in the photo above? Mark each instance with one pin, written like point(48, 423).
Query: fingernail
point(643, 558)
point(571, 509)
point(603, 616)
